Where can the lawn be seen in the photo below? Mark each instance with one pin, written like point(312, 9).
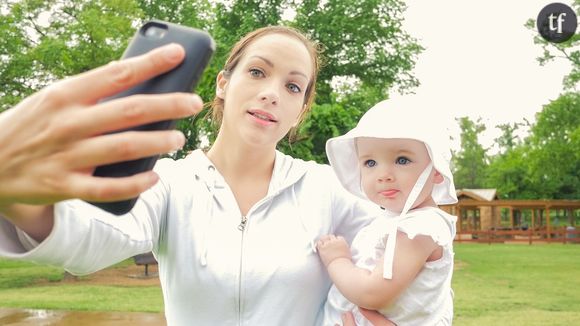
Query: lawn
point(494, 285)
point(517, 284)
point(26, 285)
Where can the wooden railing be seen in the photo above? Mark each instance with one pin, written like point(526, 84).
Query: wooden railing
point(560, 235)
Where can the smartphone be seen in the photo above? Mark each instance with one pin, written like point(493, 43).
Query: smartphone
point(199, 47)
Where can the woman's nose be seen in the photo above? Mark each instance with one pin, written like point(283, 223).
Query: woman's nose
point(269, 96)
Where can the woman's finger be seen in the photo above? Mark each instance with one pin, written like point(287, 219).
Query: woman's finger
point(89, 87)
point(119, 147)
point(132, 111)
point(375, 317)
point(348, 319)
point(98, 189)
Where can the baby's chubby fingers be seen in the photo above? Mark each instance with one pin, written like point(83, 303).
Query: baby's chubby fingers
point(323, 240)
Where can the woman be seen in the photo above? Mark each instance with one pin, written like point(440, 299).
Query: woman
point(233, 229)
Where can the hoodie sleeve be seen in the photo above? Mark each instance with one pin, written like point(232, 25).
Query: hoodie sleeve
point(85, 239)
point(349, 213)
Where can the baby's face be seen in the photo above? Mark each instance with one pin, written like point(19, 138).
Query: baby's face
point(390, 168)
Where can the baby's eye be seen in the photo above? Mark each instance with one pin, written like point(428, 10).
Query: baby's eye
point(370, 163)
point(403, 160)
point(256, 73)
point(294, 88)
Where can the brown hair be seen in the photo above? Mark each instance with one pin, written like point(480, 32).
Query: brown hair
point(238, 51)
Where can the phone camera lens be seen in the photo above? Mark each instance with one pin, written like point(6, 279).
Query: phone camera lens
point(155, 32)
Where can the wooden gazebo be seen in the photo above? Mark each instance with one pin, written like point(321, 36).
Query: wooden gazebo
point(480, 210)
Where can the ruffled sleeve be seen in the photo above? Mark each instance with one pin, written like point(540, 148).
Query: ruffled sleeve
point(435, 223)
point(432, 222)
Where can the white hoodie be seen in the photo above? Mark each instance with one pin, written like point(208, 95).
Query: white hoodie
point(211, 272)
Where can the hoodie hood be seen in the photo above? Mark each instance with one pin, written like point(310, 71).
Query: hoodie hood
point(286, 173)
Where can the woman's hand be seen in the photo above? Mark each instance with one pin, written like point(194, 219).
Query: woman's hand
point(372, 316)
point(52, 141)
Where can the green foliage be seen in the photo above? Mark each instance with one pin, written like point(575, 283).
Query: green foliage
point(327, 120)
point(554, 165)
point(569, 50)
point(470, 162)
point(45, 40)
point(509, 173)
point(363, 41)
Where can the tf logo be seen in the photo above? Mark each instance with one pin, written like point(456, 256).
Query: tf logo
point(557, 22)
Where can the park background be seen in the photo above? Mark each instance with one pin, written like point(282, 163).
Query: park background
point(512, 99)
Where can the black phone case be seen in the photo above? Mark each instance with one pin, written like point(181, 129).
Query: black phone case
point(199, 47)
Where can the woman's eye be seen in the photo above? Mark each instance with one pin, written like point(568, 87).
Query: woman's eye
point(370, 163)
point(294, 88)
point(256, 73)
point(403, 160)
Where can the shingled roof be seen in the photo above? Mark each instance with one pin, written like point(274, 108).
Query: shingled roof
point(478, 194)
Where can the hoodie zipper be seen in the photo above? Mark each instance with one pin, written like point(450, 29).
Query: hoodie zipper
point(241, 227)
point(242, 224)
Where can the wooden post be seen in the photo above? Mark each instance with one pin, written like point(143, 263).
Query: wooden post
point(512, 216)
point(548, 228)
point(533, 217)
point(458, 214)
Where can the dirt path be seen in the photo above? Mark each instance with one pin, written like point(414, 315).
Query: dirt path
point(132, 275)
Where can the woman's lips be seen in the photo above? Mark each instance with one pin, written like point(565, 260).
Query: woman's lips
point(262, 115)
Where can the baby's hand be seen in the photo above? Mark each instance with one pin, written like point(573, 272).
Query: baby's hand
point(331, 247)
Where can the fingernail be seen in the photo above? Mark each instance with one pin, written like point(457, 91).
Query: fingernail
point(178, 139)
point(173, 52)
point(153, 177)
point(196, 102)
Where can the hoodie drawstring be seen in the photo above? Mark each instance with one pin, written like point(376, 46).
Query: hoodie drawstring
point(301, 218)
point(210, 184)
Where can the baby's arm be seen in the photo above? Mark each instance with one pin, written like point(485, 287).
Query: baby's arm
point(369, 289)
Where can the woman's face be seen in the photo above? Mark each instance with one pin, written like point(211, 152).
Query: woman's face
point(265, 93)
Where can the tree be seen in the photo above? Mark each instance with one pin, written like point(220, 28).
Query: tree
point(79, 36)
point(553, 155)
point(470, 162)
point(363, 41)
point(554, 165)
point(568, 50)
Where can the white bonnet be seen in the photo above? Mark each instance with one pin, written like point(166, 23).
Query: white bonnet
point(395, 119)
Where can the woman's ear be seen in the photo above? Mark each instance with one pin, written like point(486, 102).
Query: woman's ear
point(220, 85)
point(438, 177)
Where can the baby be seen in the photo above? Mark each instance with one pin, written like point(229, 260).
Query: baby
point(402, 262)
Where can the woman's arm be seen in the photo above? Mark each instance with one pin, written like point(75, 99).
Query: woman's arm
point(53, 140)
point(369, 289)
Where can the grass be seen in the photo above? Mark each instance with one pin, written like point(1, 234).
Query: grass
point(517, 284)
point(23, 285)
point(494, 285)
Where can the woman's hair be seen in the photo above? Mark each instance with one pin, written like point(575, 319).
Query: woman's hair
point(239, 49)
